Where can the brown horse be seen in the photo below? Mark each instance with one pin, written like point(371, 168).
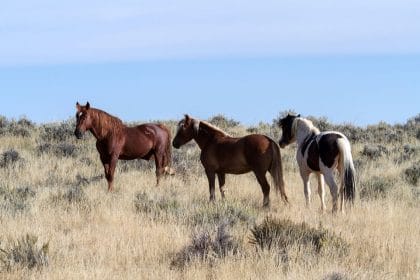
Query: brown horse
point(117, 141)
point(222, 154)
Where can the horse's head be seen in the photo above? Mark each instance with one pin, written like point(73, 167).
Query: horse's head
point(83, 119)
point(187, 129)
point(288, 134)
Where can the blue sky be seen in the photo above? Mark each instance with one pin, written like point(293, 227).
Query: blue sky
point(356, 62)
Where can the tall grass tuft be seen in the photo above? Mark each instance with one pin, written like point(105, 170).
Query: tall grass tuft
point(24, 253)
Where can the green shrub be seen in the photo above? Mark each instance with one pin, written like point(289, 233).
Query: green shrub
point(24, 253)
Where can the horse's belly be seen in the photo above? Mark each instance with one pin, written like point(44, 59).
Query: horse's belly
point(234, 167)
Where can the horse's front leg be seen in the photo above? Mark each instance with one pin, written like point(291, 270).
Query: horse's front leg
point(211, 176)
point(304, 174)
point(221, 177)
point(109, 166)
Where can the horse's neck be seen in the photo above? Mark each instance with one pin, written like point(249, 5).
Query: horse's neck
point(100, 132)
point(303, 131)
point(204, 136)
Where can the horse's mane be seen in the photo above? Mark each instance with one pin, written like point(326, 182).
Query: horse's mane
point(214, 129)
point(106, 123)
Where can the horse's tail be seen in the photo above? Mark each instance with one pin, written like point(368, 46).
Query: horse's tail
point(276, 169)
point(347, 171)
point(168, 151)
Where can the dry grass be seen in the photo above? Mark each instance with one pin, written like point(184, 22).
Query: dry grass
point(137, 231)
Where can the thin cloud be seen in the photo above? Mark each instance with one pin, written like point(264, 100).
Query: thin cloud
point(48, 32)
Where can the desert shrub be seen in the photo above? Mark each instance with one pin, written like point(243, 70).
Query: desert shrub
point(15, 200)
point(4, 122)
point(74, 195)
point(186, 161)
point(24, 253)
point(216, 214)
point(60, 150)
point(11, 158)
point(156, 205)
point(322, 123)
point(60, 132)
point(408, 152)
point(376, 187)
point(223, 122)
point(412, 173)
point(207, 247)
point(283, 234)
point(335, 276)
point(374, 152)
point(353, 133)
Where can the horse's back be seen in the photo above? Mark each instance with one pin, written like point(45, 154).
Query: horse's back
point(239, 155)
point(258, 149)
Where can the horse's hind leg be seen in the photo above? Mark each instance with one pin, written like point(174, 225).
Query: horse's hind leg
point(329, 178)
point(262, 180)
point(159, 161)
point(221, 177)
point(321, 190)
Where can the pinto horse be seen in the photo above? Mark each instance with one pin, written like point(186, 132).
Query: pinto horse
point(222, 154)
point(322, 153)
point(116, 141)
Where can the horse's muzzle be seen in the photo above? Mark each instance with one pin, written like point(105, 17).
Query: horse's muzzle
point(78, 134)
point(175, 145)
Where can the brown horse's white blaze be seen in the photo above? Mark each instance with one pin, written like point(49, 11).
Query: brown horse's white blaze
point(222, 154)
point(116, 141)
point(321, 153)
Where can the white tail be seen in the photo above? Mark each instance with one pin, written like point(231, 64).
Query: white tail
point(346, 168)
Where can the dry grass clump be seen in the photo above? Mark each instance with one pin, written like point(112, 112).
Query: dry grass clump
point(207, 247)
point(376, 187)
point(412, 173)
point(11, 158)
point(283, 234)
point(24, 253)
point(233, 213)
point(15, 200)
point(157, 205)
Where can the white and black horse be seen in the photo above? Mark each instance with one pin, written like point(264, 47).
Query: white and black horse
point(321, 153)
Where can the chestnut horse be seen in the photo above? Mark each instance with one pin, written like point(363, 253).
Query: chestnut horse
point(116, 141)
point(222, 154)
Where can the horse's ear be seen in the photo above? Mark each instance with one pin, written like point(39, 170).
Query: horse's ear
point(87, 106)
point(78, 106)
